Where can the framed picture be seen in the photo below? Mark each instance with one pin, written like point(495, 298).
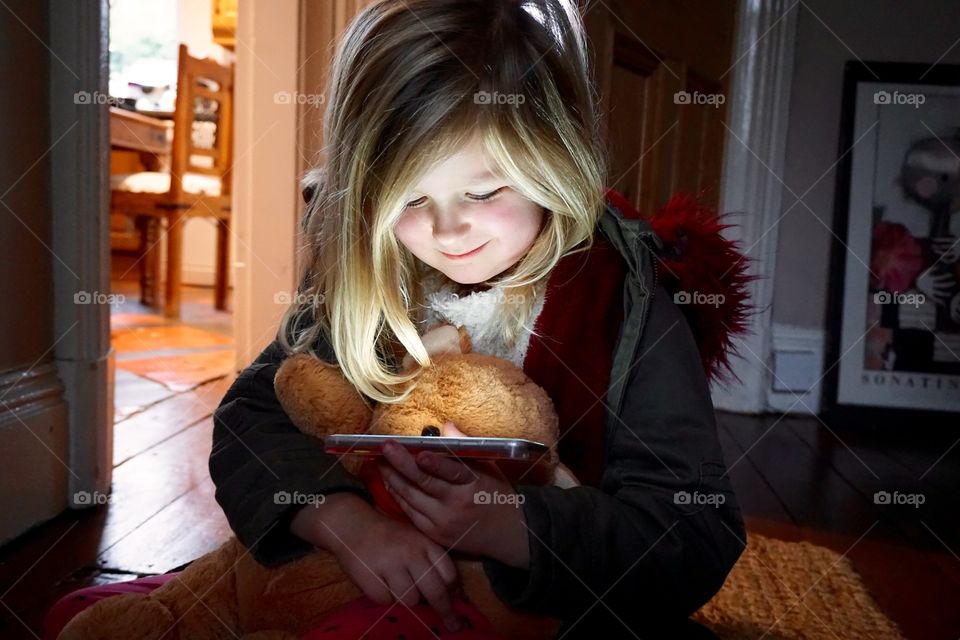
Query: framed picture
point(893, 348)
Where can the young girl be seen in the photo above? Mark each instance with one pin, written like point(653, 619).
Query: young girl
point(463, 182)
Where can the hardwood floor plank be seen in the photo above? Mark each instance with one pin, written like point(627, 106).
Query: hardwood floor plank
point(180, 532)
point(165, 419)
point(813, 493)
point(133, 393)
point(154, 479)
point(753, 492)
point(183, 372)
point(870, 469)
point(153, 338)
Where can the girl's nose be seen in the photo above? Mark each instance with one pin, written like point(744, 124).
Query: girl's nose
point(450, 228)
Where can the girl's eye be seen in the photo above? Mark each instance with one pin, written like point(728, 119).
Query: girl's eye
point(416, 204)
point(486, 196)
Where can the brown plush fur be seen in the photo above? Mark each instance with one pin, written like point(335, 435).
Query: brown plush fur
point(227, 594)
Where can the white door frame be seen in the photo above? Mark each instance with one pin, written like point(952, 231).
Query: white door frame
point(265, 177)
point(79, 168)
point(752, 185)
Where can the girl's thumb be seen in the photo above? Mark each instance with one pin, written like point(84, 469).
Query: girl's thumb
point(451, 431)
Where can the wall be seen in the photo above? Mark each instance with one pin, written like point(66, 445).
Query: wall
point(33, 434)
point(830, 33)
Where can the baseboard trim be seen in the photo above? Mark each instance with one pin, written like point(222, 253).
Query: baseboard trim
point(792, 390)
point(34, 438)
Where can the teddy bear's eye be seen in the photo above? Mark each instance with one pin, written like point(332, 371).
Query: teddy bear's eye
point(430, 430)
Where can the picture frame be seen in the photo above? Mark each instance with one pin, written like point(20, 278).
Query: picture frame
point(893, 315)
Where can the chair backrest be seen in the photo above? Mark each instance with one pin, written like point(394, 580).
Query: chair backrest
point(203, 121)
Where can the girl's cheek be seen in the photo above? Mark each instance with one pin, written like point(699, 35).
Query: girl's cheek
point(517, 219)
point(408, 228)
point(504, 216)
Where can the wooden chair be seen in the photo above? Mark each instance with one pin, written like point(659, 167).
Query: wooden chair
point(197, 185)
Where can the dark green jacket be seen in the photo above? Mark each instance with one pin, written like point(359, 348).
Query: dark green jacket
point(651, 542)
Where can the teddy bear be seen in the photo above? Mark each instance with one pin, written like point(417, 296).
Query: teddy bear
point(228, 594)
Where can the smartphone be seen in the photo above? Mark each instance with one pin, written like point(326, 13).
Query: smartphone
point(489, 448)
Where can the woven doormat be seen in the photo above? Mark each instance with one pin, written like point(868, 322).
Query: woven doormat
point(794, 590)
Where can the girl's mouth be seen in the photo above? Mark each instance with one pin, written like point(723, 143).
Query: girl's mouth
point(468, 254)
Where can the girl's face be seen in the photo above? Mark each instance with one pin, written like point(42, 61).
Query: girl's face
point(467, 222)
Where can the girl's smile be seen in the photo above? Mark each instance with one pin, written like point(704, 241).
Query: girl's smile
point(468, 254)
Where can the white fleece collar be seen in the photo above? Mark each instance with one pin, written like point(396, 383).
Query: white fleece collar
point(478, 313)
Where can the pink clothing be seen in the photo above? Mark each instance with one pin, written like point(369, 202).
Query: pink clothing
point(362, 617)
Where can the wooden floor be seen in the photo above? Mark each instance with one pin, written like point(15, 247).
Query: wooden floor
point(795, 479)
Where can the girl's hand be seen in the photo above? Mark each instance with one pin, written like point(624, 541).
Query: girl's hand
point(388, 560)
point(468, 506)
point(391, 561)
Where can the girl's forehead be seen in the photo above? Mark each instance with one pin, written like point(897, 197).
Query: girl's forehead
point(467, 165)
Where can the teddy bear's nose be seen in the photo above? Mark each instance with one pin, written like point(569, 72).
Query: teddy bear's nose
point(430, 430)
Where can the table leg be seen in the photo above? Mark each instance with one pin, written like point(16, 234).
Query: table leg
point(175, 223)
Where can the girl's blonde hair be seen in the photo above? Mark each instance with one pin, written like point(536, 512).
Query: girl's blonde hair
point(412, 81)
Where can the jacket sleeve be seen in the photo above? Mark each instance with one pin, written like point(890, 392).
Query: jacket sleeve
point(659, 536)
point(264, 468)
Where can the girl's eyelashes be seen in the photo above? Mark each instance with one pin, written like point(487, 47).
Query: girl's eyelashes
point(486, 197)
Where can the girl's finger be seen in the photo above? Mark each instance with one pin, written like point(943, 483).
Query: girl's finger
point(401, 460)
point(402, 489)
point(421, 522)
point(444, 565)
point(450, 431)
point(445, 468)
point(403, 588)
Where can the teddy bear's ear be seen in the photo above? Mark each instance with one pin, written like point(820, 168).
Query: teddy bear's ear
point(318, 399)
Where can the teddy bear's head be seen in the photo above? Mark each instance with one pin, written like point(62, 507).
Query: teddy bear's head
point(481, 395)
